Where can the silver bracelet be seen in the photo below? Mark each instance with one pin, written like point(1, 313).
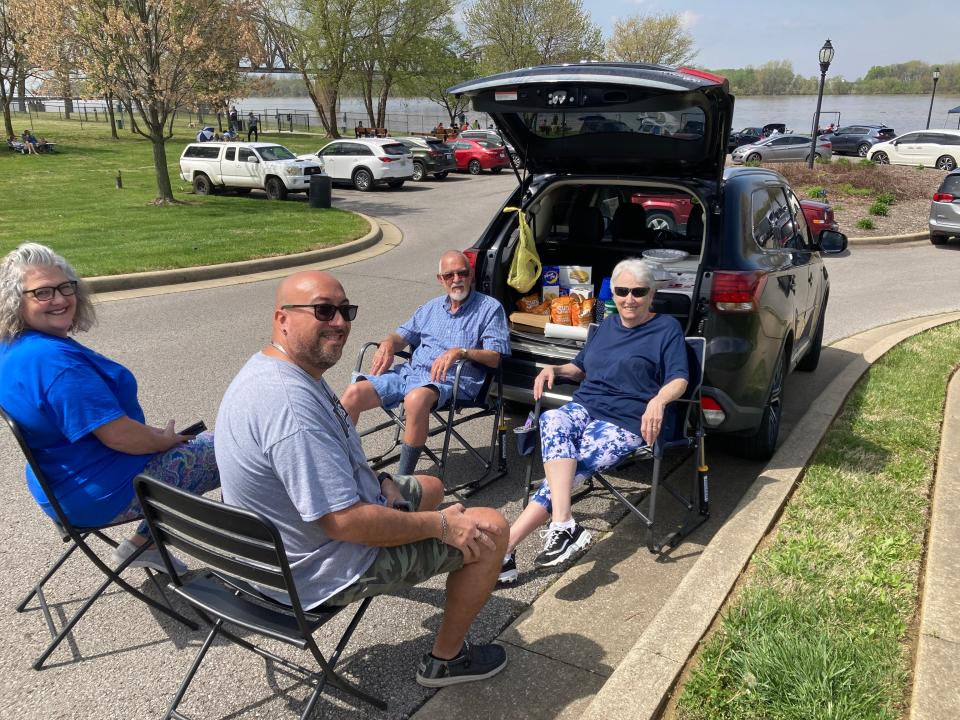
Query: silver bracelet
point(443, 527)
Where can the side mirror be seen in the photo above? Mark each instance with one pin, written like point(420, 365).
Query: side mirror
point(254, 160)
point(832, 242)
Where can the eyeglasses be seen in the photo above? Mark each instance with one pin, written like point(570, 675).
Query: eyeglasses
point(325, 311)
point(448, 276)
point(45, 294)
point(637, 292)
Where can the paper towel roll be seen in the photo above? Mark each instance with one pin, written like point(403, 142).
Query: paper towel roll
point(565, 331)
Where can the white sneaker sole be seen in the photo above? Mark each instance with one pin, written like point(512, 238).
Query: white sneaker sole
point(507, 578)
point(582, 542)
point(459, 679)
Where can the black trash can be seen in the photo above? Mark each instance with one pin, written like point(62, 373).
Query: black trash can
point(320, 187)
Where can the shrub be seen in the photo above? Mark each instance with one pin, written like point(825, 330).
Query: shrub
point(843, 162)
point(879, 208)
point(865, 224)
point(920, 167)
point(815, 191)
point(848, 189)
point(887, 198)
point(751, 163)
point(864, 162)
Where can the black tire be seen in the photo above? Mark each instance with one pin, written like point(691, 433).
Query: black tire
point(763, 443)
point(363, 180)
point(938, 239)
point(394, 184)
point(441, 175)
point(275, 188)
point(496, 171)
point(863, 149)
point(474, 167)
point(880, 158)
point(419, 173)
point(809, 362)
point(946, 163)
point(661, 221)
point(202, 185)
point(752, 157)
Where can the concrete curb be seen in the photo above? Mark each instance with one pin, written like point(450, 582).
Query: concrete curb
point(889, 239)
point(134, 281)
point(641, 684)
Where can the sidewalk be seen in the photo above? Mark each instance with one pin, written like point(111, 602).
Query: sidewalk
point(596, 653)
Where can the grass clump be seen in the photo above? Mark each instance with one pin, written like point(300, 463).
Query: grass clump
point(843, 162)
point(815, 191)
point(879, 208)
point(820, 628)
point(887, 198)
point(865, 224)
point(848, 189)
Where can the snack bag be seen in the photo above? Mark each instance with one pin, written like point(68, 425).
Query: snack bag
point(528, 302)
point(541, 309)
point(560, 310)
point(575, 301)
point(586, 312)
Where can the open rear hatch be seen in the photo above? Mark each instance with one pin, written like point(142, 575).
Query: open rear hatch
point(610, 118)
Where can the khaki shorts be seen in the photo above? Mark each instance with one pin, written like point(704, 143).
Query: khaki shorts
point(403, 566)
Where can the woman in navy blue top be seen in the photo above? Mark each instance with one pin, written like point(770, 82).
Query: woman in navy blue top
point(77, 409)
point(632, 368)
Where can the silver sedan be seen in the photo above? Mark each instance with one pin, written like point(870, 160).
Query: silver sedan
point(789, 147)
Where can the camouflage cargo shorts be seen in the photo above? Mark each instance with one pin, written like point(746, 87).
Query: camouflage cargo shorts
point(403, 566)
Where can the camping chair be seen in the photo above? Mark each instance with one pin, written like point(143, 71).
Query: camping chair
point(488, 403)
point(241, 547)
point(77, 538)
point(682, 430)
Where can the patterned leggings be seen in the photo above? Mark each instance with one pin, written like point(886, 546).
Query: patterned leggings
point(191, 467)
point(569, 432)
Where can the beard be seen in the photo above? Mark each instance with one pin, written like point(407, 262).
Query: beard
point(459, 295)
point(317, 353)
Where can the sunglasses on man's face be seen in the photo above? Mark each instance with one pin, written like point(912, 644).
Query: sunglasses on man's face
point(325, 311)
point(45, 294)
point(448, 276)
point(637, 292)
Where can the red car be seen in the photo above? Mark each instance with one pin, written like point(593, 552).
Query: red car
point(477, 155)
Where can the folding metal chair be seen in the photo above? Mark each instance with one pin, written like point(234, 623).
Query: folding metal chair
point(446, 419)
point(77, 538)
point(242, 548)
point(682, 430)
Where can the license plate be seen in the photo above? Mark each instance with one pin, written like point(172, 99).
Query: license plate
point(449, 156)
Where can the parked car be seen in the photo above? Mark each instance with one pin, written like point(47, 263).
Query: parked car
point(820, 217)
point(430, 157)
point(858, 139)
point(945, 210)
point(792, 147)
point(211, 166)
point(751, 135)
point(365, 162)
point(930, 148)
point(749, 275)
point(494, 137)
point(475, 156)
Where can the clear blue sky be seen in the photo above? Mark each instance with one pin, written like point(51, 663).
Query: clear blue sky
point(738, 33)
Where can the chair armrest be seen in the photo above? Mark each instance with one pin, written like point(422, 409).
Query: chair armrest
point(358, 367)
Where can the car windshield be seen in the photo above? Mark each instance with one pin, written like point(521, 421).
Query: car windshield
point(488, 144)
point(276, 152)
point(437, 145)
point(682, 124)
point(394, 149)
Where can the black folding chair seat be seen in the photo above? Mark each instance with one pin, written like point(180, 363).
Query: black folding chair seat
point(243, 552)
point(446, 420)
point(682, 431)
point(77, 538)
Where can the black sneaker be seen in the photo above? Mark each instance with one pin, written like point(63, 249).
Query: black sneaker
point(561, 545)
point(508, 571)
point(473, 663)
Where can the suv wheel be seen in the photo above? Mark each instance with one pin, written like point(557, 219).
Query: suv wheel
point(863, 149)
point(441, 175)
point(946, 163)
point(363, 180)
point(880, 158)
point(752, 158)
point(474, 167)
point(202, 185)
point(762, 444)
point(275, 188)
point(661, 221)
point(938, 239)
point(418, 172)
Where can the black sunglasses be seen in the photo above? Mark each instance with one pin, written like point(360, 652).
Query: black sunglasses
point(448, 276)
point(44, 294)
point(637, 292)
point(326, 311)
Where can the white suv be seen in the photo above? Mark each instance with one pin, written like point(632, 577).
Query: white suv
point(364, 163)
point(930, 148)
point(242, 166)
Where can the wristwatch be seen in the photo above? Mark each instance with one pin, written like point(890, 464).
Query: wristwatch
point(463, 353)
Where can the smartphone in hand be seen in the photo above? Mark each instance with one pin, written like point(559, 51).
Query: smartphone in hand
point(195, 429)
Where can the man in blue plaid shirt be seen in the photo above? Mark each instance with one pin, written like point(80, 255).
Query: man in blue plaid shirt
point(461, 325)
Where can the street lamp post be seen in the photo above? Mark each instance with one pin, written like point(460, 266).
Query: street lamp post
point(826, 57)
point(936, 76)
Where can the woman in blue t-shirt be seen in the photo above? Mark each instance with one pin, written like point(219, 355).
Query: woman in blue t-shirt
point(632, 368)
point(78, 410)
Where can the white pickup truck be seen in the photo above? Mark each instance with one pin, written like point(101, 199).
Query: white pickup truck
point(243, 166)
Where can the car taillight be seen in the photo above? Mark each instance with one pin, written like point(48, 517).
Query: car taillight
point(826, 143)
point(943, 197)
point(435, 154)
point(472, 259)
point(387, 159)
point(713, 414)
point(737, 291)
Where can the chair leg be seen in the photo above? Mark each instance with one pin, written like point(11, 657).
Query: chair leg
point(185, 683)
point(38, 588)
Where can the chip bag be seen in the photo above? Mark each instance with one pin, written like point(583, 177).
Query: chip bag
point(525, 266)
point(561, 310)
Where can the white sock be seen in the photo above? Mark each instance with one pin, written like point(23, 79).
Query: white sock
point(567, 525)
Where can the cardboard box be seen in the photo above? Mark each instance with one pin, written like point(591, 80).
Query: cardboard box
point(576, 275)
point(584, 291)
point(550, 292)
point(529, 320)
point(550, 275)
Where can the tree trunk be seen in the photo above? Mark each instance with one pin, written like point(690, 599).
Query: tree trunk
point(64, 79)
point(133, 121)
point(382, 103)
point(164, 190)
point(22, 91)
point(113, 122)
point(5, 104)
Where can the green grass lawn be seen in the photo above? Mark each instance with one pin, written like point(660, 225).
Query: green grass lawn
point(820, 627)
point(68, 200)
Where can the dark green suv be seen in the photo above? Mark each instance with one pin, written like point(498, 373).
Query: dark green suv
point(430, 157)
point(744, 271)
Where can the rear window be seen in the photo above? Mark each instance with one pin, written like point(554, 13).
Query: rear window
point(685, 124)
point(488, 144)
point(771, 216)
point(394, 149)
point(951, 184)
point(205, 152)
point(886, 133)
point(276, 152)
point(437, 145)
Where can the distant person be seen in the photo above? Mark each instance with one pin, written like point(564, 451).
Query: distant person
point(230, 135)
point(440, 127)
point(360, 131)
point(43, 145)
point(233, 118)
point(476, 124)
point(29, 142)
point(206, 135)
point(253, 129)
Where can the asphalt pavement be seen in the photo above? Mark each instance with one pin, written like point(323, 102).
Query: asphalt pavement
point(184, 348)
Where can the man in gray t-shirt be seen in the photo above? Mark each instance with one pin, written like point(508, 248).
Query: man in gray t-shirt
point(287, 449)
